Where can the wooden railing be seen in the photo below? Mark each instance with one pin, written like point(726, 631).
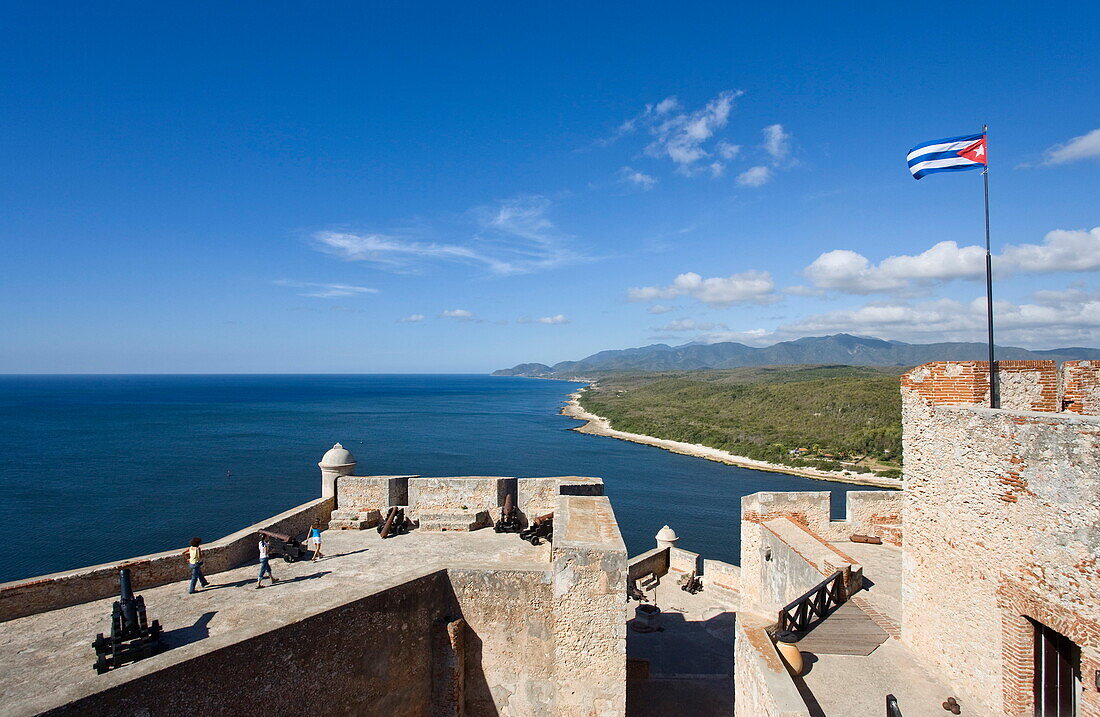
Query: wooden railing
point(809, 609)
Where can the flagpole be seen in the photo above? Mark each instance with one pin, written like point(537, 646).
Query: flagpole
point(994, 388)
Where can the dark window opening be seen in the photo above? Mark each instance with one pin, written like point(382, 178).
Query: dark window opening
point(1057, 673)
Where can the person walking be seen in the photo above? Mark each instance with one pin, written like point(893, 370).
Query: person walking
point(315, 540)
point(194, 559)
point(265, 564)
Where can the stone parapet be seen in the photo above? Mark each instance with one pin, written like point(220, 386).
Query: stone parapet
point(1023, 385)
point(50, 592)
point(590, 573)
point(722, 577)
point(366, 493)
point(473, 494)
point(762, 685)
point(683, 561)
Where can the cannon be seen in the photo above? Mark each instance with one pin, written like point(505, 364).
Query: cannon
point(395, 524)
point(283, 546)
point(132, 637)
point(541, 528)
point(690, 583)
point(509, 517)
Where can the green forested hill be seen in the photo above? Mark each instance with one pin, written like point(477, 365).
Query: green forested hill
point(830, 416)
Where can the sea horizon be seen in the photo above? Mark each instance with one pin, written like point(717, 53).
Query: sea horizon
point(119, 469)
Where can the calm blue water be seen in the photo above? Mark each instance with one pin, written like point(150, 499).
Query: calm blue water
point(99, 468)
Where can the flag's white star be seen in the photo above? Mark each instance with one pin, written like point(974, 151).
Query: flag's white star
point(980, 150)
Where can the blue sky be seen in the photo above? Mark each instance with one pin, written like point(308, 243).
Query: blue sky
point(282, 187)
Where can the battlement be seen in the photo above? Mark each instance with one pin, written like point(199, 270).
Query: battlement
point(440, 622)
point(1024, 385)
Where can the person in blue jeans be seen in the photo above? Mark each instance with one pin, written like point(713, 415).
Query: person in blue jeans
point(194, 559)
point(265, 564)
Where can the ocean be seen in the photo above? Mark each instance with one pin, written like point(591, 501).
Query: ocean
point(100, 468)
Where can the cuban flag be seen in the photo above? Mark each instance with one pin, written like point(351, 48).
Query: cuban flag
point(954, 154)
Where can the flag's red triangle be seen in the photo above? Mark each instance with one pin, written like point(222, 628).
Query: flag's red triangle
point(975, 152)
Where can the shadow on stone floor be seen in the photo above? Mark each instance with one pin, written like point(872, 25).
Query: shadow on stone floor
point(181, 636)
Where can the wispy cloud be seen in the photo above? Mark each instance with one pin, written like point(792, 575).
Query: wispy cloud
point(513, 236)
point(750, 287)
point(458, 314)
point(686, 137)
point(411, 319)
point(689, 325)
point(682, 136)
point(1087, 146)
point(754, 176)
point(522, 237)
point(777, 142)
point(325, 291)
point(660, 309)
point(637, 179)
point(555, 320)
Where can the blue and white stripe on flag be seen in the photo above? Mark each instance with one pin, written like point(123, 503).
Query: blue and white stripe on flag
point(954, 154)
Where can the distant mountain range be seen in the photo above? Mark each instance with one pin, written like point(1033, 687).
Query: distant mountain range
point(835, 349)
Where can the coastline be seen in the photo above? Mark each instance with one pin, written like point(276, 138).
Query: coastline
point(599, 426)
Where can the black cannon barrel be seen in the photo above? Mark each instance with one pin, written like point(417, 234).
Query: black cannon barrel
point(126, 598)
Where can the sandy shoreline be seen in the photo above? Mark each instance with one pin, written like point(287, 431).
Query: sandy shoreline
point(599, 426)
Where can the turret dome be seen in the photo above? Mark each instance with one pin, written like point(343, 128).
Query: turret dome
point(337, 457)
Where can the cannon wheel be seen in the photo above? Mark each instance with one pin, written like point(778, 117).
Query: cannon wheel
point(289, 558)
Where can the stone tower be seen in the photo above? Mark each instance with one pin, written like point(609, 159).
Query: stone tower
point(338, 461)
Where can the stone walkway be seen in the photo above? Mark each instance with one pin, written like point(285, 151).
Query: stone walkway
point(47, 659)
point(843, 685)
point(690, 660)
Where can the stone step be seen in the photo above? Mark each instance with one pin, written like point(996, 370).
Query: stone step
point(440, 521)
point(353, 519)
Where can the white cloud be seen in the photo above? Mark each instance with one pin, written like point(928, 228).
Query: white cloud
point(1054, 318)
point(326, 291)
point(515, 236)
point(460, 314)
point(777, 143)
point(411, 319)
point(689, 325)
point(852, 273)
point(754, 176)
point(660, 309)
point(636, 178)
point(666, 105)
point(752, 337)
point(681, 136)
point(1087, 146)
point(554, 320)
point(717, 169)
point(1061, 250)
point(750, 287)
point(726, 150)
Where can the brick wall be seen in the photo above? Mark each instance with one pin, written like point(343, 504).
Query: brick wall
point(1081, 387)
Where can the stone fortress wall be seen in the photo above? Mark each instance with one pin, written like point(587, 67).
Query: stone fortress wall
point(1002, 520)
point(477, 638)
point(999, 529)
point(73, 587)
